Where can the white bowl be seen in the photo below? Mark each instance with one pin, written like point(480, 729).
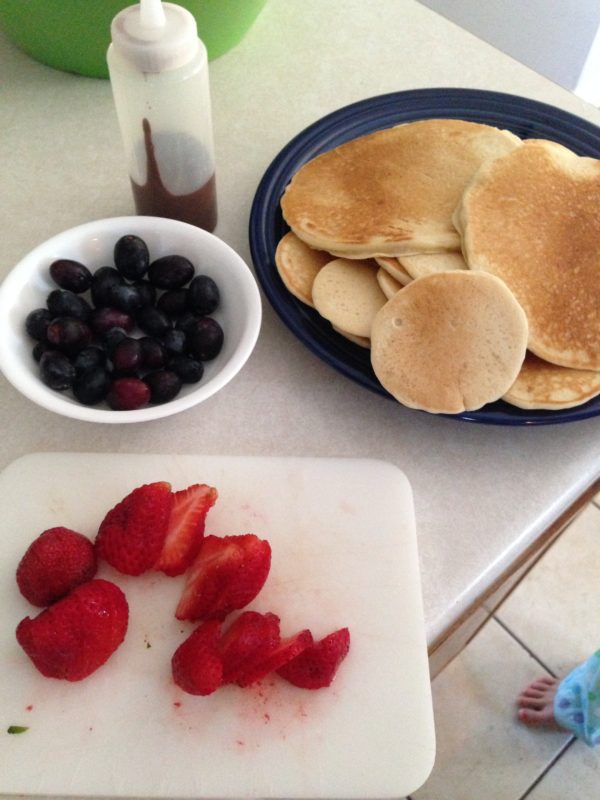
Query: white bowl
point(28, 284)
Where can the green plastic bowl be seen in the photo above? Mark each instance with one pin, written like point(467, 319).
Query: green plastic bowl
point(73, 35)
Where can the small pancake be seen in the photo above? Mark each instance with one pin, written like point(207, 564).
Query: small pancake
point(431, 263)
point(389, 286)
point(544, 385)
point(450, 342)
point(298, 264)
point(361, 341)
point(532, 219)
point(347, 294)
point(392, 191)
point(392, 265)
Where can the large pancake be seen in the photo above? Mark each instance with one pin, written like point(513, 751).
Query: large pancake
point(532, 218)
point(393, 191)
point(449, 342)
point(544, 385)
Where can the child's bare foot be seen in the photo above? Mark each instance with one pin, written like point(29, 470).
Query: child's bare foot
point(536, 702)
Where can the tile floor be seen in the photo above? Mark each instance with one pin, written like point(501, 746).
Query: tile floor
point(549, 623)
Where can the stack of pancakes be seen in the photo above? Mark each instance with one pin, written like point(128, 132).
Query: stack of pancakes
point(466, 259)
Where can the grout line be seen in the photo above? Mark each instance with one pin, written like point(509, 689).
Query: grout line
point(524, 646)
point(548, 767)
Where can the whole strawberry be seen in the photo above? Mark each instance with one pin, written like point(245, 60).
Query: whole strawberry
point(77, 634)
point(55, 563)
point(227, 574)
point(196, 664)
point(132, 534)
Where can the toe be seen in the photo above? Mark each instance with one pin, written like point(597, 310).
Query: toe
point(526, 701)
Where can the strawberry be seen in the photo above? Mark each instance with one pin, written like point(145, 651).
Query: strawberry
point(77, 634)
point(185, 529)
point(228, 573)
point(196, 665)
point(274, 659)
point(246, 642)
point(54, 563)
point(132, 534)
point(316, 666)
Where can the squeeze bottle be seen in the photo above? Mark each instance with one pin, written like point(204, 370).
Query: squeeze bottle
point(158, 71)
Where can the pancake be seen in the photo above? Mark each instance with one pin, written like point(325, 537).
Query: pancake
point(389, 286)
point(347, 294)
point(394, 268)
point(361, 341)
point(430, 263)
point(393, 191)
point(449, 343)
point(532, 218)
point(298, 264)
point(541, 385)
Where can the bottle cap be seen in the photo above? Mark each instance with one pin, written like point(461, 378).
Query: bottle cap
point(155, 36)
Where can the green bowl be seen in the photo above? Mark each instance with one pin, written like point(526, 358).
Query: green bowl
point(73, 35)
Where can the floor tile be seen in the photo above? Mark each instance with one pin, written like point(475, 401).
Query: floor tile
point(482, 749)
point(575, 775)
point(555, 610)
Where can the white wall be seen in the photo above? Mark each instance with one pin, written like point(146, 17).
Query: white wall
point(558, 38)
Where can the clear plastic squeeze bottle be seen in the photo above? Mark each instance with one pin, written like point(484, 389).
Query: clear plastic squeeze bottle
point(159, 76)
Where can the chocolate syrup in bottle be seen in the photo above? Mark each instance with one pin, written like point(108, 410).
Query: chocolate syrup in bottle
point(154, 199)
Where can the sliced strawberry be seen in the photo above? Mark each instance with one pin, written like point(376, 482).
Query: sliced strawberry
point(196, 664)
point(227, 574)
point(185, 529)
point(286, 650)
point(132, 534)
point(316, 666)
point(246, 642)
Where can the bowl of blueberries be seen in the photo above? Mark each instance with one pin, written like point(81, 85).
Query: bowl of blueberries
point(127, 319)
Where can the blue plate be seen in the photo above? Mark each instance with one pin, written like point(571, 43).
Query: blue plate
point(527, 118)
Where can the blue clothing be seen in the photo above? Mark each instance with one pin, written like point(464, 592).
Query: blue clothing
point(577, 701)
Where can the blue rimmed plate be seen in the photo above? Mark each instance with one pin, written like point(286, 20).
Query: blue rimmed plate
point(526, 118)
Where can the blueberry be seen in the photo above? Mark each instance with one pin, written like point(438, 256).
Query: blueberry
point(36, 323)
point(124, 297)
point(173, 302)
point(186, 321)
point(131, 257)
point(102, 280)
point(56, 370)
point(89, 358)
point(170, 272)
point(68, 334)
point(91, 386)
point(71, 275)
point(205, 339)
point(174, 341)
point(189, 370)
point(203, 295)
point(62, 303)
point(152, 321)
point(164, 385)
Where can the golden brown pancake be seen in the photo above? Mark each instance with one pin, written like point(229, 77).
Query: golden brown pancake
point(450, 342)
point(540, 384)
point(394, 268)
point(532, 218)
point(298, 264)
point(429, 263)
point(347, 294)
point(391, 192)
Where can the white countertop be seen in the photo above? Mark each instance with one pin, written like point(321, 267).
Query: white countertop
point(482, 493)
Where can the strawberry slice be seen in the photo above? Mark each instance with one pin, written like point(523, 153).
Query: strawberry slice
point(246, 642)
point(285, 651)
point(196, 666)
point(316, 666)
point(185, 529)
point(227, 574)
point(132, 534)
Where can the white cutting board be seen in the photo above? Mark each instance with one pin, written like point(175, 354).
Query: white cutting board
point(342, 532)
